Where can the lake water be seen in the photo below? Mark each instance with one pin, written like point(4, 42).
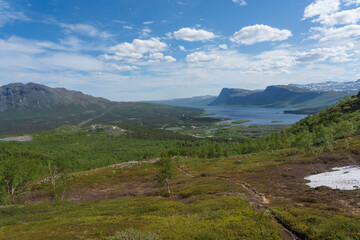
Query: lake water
point(257, 116)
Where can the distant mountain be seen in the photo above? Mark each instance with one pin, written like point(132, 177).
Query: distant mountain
point(331, 86)
point(199, 101)
point(32, 96)
point(30, 108)
point(288, 96)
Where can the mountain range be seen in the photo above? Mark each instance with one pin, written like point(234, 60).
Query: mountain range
point(307, 98)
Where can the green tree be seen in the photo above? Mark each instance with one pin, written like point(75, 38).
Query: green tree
point(15, 174)
point(166, 172)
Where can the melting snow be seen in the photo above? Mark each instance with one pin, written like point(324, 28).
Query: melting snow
point(343, 178)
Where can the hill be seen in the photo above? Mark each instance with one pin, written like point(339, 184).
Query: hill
point(30, 108)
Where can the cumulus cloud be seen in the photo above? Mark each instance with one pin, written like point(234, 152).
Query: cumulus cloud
point(334, 54)
point(138, 48)
point(331, 33)
point(85, 29)
point(351, 16)
point(182, 48)
point(192, 35)
point(223, 46)
point(259, 33)
point(330, 14)
point(138, 52)
point(148, 22)
point(240, 2)
point(321, 8)
point(160, 56)
point(7, 14)
point(145, 32)
point(201, 57)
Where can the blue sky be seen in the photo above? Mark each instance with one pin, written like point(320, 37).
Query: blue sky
point(128, 50)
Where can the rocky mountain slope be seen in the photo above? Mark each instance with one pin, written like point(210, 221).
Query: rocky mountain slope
point(20, 97)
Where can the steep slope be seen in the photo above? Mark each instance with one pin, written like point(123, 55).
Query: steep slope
point(279, 96)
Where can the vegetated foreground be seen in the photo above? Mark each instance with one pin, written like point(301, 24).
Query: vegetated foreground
point(252, 189)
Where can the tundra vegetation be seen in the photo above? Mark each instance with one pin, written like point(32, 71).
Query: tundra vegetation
point(98, 183)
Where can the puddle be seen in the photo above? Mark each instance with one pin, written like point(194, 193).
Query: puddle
point(343, 178)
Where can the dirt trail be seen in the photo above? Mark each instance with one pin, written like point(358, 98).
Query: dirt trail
point(185, 172)
point(255, 196)
point(126, 164)
point(98, 116)
point(261, 204)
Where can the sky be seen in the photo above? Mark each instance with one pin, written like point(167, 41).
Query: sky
point(133, 50)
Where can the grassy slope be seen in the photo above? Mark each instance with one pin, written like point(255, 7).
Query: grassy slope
point(101, 202)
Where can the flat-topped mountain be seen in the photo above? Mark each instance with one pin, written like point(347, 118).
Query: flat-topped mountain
point(288, 96)
point(19, 97)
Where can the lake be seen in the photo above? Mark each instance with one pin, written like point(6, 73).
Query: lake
point(257, 116)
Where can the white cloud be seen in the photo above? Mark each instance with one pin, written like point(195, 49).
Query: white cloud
point(160, 56)
point(148, 22)
point(145, 32)
point(321, 8)
point(85, 29)
point(127, 27)
point(223, 46)
point(351, 16)
point(122, 67)
point(240, 2)
point(182, 48)
point(139, 52)
point(259, 33)
point(331, 33)
point(201, 57)
point(7, 14)
point(138, 48)
point(351, 2)
point(169, 59)
point(334, 54)
point(191, 35)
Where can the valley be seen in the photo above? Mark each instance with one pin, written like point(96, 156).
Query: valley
point(101, 181)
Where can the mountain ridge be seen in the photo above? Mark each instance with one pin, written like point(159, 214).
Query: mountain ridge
point(19, 97)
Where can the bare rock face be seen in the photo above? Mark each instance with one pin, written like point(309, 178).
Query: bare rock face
point(18, 96)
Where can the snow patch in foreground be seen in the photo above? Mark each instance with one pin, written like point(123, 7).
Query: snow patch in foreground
point(343, 178)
